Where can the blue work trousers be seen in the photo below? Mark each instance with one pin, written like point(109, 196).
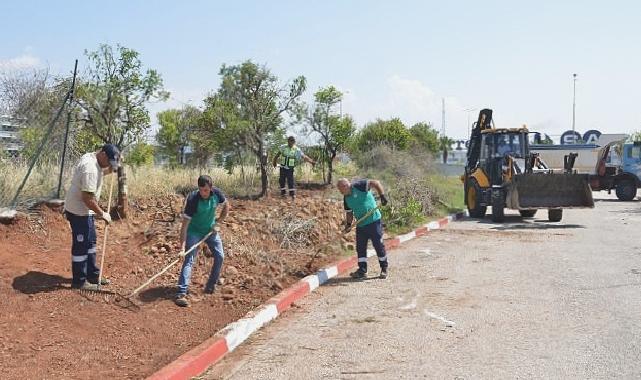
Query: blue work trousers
point(215, 245)
point(83, 249)
point(373, 232)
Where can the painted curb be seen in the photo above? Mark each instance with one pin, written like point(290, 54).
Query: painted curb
point(198, 359)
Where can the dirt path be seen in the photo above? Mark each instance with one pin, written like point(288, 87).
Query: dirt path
point(527, 299)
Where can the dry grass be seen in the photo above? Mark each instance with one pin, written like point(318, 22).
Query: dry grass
point(141, 182)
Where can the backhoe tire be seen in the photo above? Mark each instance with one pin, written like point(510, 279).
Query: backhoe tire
point(527, 213)
point(498, 207)
point(555, 214)
point(473, 198)
point(626, 190)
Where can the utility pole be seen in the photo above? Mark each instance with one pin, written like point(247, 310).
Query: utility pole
point(443, 117)
point(574, 109)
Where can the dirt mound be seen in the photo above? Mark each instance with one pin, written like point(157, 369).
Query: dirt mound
point(50, 331)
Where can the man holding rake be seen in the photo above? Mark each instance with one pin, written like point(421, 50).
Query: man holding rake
point(81, 209)
point(199, 219)
point(359, 203)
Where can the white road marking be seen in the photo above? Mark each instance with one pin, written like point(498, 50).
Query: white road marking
point(447, 322)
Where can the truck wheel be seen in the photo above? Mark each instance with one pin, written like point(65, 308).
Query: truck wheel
point(555, 214)
point(527, 213)
point(473, 198)
point(626, 190)
point(498, 207)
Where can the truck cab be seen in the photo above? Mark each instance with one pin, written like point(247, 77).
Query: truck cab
point(632, 159)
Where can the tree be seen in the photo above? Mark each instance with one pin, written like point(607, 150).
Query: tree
point(113, 97)
point(140, 154)
point(636, 136)
point(174, 135)
point(334, 130)
point(392, 133)
point(425, 137)
point(445, 144)
point(247, 110)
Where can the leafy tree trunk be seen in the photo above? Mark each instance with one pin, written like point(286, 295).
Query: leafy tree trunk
point(264, 178)
point(330, 167)
point(122, 206)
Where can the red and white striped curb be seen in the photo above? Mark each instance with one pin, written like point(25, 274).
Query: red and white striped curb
point(197, 360)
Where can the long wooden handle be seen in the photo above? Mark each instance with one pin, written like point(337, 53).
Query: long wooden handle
point(367, 215)
point(104, 240)
point(165, 269)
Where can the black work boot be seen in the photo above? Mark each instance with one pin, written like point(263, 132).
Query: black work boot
point(181, 300)
point(358, 274)
point(103, 281)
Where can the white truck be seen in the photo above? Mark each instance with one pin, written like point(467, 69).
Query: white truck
point(611, 163)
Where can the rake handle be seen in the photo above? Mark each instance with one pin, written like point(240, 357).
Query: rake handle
point(165, 269)
point(104, 240)
point(367, 215)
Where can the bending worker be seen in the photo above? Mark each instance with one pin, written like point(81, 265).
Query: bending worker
point(199, 218)
point(358, 201)
point(81, 204)
point(289, 155)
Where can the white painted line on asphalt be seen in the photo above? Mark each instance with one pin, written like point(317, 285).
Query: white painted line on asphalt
point(447, 322)
point(411, 305)
point(237, 332)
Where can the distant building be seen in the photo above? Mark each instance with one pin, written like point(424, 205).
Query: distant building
point(10, 135)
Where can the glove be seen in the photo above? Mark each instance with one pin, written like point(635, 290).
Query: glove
point(348, 227)
point(383, 200)
point(106, 217)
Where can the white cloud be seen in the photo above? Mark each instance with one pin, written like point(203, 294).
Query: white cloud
point(413, 101)
point(21, 62)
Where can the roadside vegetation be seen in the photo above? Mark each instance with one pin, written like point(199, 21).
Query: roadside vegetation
point(232, 136)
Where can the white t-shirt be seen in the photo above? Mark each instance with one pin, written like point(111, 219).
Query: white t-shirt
point(87, 177)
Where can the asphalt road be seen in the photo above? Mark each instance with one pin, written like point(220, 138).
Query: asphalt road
point(525, 299)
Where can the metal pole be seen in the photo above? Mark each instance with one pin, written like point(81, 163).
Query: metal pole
point(574, 109)
point(64, 146)
point(443, 117)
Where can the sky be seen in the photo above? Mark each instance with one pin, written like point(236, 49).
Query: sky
point(390, 58)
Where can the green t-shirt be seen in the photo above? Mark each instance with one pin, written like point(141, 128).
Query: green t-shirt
point(361, 201)
point(202, 212)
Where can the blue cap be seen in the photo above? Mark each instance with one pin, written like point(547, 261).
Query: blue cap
point(113, 154)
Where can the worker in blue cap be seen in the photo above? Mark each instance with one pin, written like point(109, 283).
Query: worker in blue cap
point(81, 209)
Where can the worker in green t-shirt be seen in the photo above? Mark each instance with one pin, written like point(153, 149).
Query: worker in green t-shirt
point(359, 201)
point(199, 218)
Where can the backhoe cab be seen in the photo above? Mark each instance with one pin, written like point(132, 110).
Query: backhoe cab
point(501, 172)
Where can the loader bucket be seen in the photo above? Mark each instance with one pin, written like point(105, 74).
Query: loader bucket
point(545, 190)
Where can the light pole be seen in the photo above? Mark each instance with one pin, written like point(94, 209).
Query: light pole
point(341, 102)
point(574, 108)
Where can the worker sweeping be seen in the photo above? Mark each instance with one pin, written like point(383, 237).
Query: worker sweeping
point(359, 203)
point(289, 155)
point(81, 208)
point(199, 219)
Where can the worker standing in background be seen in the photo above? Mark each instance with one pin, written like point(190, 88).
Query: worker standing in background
point(199, 219)
point(289, 156)
point(81, 204)
point(359, 201)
